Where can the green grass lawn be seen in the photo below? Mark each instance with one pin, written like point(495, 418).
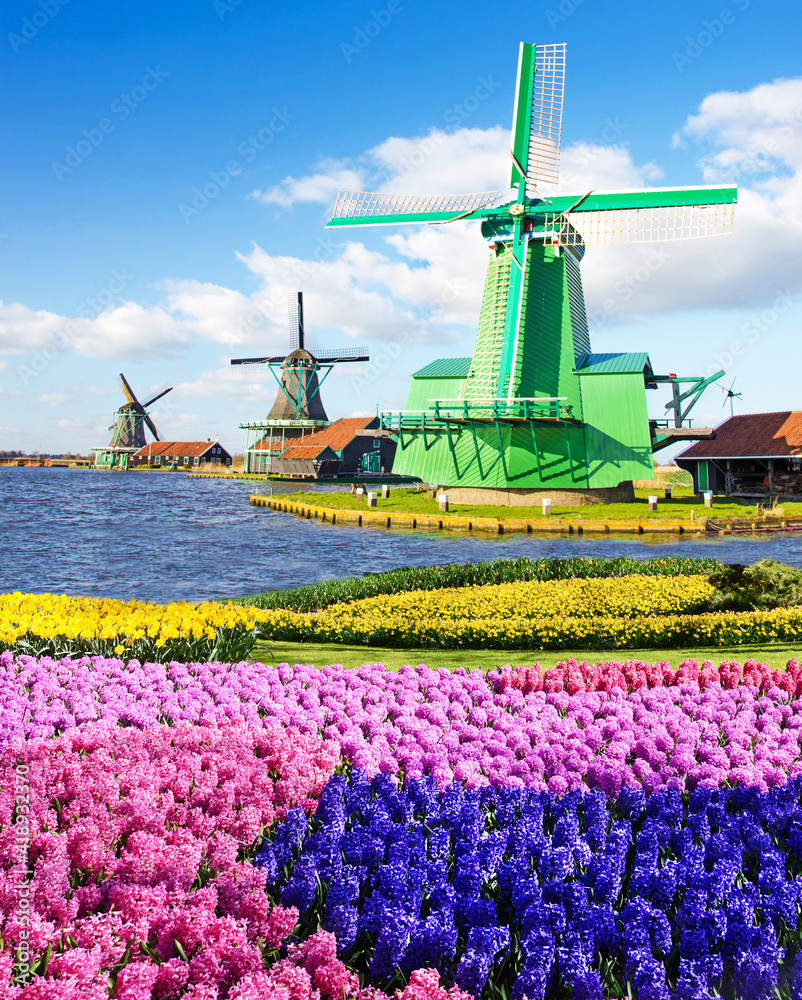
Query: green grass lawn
point(776, 655)
point(680, 507)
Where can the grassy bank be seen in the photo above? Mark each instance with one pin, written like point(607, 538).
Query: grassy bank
point(320, 654)
point(683, 506)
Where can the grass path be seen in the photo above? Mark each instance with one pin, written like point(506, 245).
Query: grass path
point(320, 654)
point(683, 505)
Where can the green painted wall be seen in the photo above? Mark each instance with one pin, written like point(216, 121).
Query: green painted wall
point(422, 390)
point(616, 428)
point(467, 461)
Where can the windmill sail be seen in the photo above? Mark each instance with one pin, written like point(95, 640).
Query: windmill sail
point(537, 116)
point(653, 224)
point(296, 304)
point(355, 208)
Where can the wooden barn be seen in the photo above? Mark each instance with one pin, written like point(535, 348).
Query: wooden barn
point(182, 454)
point(756, 454)
point(345, 448)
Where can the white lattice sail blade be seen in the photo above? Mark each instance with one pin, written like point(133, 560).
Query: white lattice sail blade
point(543, 160)
point(649, 225)
point(369, 205)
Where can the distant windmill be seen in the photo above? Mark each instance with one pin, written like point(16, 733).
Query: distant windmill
point(730, 395)
point(298, 397)
point(298, 409)
point(128, 429)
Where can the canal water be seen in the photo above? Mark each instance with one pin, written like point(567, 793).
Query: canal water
point(165, 537)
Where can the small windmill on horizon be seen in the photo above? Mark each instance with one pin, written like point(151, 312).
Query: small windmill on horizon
point(128, 429)
point(298, 408)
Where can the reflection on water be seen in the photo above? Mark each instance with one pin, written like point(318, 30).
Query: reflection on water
point(164, 537)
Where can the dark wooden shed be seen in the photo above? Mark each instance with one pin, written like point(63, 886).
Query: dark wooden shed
point(755, 454)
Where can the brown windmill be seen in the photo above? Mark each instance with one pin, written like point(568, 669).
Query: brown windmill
point(298, 409)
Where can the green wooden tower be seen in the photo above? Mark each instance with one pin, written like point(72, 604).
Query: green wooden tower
point(534, 409)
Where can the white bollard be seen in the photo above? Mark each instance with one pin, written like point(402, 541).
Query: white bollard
point(546, 506)
point(652, 503)
point(385, 492)
point(372, 498)
point(443, 501)
point(708, 498)
point(360, 493)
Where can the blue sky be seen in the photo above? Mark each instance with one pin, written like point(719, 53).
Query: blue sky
point(167, 171)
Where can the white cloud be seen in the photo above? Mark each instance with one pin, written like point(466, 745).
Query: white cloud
point(467, 160)
point(749, 133)
point(423, 285)
point(54, 398)
point(231, 383)
point(23, 329)
point(320, 187)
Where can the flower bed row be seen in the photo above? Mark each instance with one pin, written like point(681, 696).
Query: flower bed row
point(204, 862)
point(48, 624)
point(631, 675)
point(515, 893)
point(425, 722)
point(617, 597)
point(635, 611)
point(723, 628)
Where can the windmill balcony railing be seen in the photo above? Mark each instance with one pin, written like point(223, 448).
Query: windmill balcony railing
point(687, 422)
point(449, 411)
point(517, 408)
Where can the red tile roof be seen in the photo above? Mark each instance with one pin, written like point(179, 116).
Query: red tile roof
point(340, 433)
point(191, 449)
point(753, 435)
point(307, 451)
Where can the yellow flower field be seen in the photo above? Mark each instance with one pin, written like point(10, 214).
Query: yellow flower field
point(624, 597)
point(598, 613)
point(49, 623)
point(635, 611)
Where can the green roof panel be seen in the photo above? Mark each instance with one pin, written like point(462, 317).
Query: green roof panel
point(445, 368)
point(609, 364)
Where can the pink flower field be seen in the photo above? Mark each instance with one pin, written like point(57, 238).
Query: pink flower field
point(161, 836)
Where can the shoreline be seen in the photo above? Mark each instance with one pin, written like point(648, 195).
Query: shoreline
point(554, 524)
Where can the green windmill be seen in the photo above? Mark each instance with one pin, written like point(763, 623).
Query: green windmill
point(534, 409)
